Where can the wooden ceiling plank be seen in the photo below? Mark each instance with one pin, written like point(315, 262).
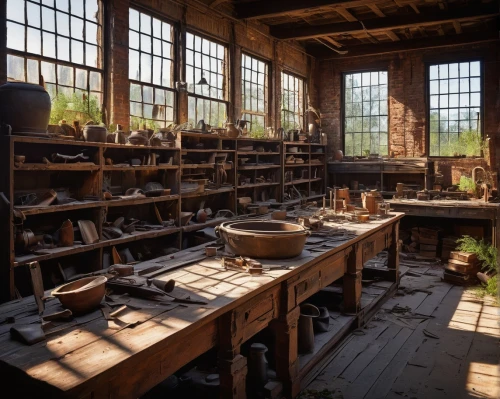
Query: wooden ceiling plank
point(411, 45)
point(276, 8)
point(376, 10)
point(422, 31)
point(415, 8)
point(458, 27)
point(342, 52)
point(467, 13)
point(392, 36)
point(440, 30)
point(215, 3)
point(346, 14)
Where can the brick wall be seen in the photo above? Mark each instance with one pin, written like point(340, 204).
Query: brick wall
point(408, 101)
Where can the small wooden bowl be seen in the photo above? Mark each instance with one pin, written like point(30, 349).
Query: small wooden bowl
point(81, 296)
point(278, 215)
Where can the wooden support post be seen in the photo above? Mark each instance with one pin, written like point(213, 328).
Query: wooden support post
point(286, 351)
point(393, 260)
point(232, 365)
point(352, 280)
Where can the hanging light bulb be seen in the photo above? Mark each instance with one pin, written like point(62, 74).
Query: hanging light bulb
point(203, 81)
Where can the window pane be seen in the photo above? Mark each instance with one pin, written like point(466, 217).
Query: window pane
point(368, 104)
point(15, 68)
point(15, 36)
point(451, 127)
point(33, 12)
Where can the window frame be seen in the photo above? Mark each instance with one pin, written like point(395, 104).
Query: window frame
point(39, 58)
point(265, 113)
point(378, 69)
point(453, 60)
point(174, 63)
point(226, 78)
point(304, 95)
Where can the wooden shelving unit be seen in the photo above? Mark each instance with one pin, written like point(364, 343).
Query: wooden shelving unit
point(414, 172)
point(96, 172)
point(305, 179)
point(258, 169)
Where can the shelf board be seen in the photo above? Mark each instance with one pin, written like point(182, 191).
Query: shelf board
point(138, 147)
point(257, 153)
point(37, 210)
point(209, 150)
point(293, 165)
point(298, 181)
point(198, 166)
point(297, 153)
point(140, 201)
point(65, 251)
point(199, 226)
point(77, 167)
point(258, 167)
point(210, 136)
point(316, 179)
point(257, 185)
point(207, 192)
point(295, 143)
point(113, 168)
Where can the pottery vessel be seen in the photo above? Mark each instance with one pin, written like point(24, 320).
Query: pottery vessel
point(81, 296)
point(263, 238)
point(257, 366)
point(308, 312)
point(25, 107)
point(95, 133)
point(232, 130)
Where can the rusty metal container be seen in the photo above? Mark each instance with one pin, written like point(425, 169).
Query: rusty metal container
point(268, 239)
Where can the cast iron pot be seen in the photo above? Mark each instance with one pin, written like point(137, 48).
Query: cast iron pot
point(25, 107)
point(263, 238)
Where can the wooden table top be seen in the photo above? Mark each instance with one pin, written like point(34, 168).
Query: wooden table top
point(446, 203)
point(90, 345)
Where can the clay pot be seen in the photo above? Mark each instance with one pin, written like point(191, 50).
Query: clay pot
point(257, 366)
point(25, 107)
point(93, 133)
point(305, 327)
point(201, 216)
point(338, 155)
point(232, 131)
point(81, 296)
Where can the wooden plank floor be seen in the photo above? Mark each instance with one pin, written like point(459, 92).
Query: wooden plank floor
point(430, 340)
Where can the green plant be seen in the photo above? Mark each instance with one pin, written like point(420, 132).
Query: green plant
point(75, 107)
point(137, 123)
point(469, 143)
point(258, 135)
point(466, 184)
point(485, 252)
point(490, 288)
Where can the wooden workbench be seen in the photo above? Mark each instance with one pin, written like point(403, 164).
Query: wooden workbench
point(94, 358)
point(454, 209)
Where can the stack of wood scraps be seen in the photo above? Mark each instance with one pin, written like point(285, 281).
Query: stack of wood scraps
point(427, 240)
point(461, 267)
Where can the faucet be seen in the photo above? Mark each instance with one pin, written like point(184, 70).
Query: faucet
point(474, 173)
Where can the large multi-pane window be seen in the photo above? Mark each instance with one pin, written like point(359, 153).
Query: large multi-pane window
point(61, 40)
point(365, 113)
point(292, 102)
point(254, 92)
point(206, 80)
point(151, 71)
point(454, 107)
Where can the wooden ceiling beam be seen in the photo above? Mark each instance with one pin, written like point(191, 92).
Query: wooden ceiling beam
point(215, 3)
point(408, 45)
point(467, 13)
point(415, 8)
point(331, 41)
point(276, 8)
point(458, 27)
point(376, 10)
point(392, 36)
point(346, 14)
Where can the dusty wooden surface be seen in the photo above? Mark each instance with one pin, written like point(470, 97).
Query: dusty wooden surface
point(90, 352)
point(397, 354)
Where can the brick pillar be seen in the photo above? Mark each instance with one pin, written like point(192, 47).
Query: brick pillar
point(3, 41)
point(118, 93)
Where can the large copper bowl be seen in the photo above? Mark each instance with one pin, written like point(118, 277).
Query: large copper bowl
point(268, 239)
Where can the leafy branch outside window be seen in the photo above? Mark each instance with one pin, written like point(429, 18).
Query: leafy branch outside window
point(75, 107)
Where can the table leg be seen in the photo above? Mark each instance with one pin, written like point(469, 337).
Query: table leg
point(352, 280)
point(286, 352)
point(393, 258)
point(232, 365)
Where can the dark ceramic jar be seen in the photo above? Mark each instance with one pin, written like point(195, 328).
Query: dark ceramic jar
point(25, 107)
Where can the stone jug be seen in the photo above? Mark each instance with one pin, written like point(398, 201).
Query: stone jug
point(305, 327)
point(257, 366)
